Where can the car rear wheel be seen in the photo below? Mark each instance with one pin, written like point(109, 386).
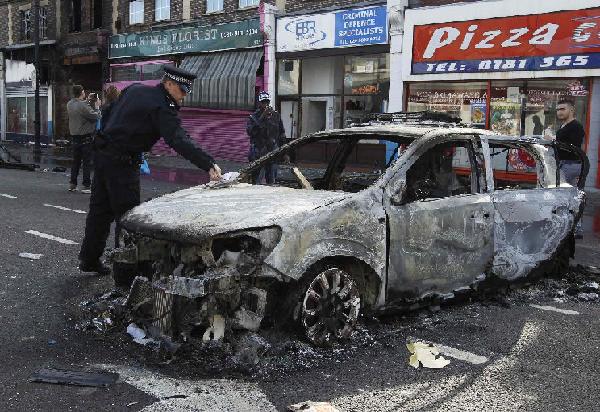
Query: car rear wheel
point(330, 307)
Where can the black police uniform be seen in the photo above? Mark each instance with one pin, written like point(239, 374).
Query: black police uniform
point(132, 125)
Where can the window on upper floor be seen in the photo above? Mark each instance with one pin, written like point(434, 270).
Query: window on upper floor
point(97, 14)
point(136, 12)
point(75, 15)
point(27, 24)
point(162, 10)
point(214, 5)
point(248, 3)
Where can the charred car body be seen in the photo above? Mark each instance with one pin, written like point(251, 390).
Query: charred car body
point(431, 212)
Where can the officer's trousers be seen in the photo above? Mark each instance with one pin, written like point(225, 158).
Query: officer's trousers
point(115, 190)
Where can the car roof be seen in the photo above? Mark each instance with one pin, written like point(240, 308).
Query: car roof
point(423, 131)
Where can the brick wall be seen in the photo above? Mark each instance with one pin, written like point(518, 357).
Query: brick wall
point(293, 6)
point(432, 3)
point(10, 20)
point(231, 12)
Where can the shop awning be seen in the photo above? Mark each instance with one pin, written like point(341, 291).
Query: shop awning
point(226, 80)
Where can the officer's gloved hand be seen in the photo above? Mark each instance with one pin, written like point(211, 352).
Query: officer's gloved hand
point(215, 173)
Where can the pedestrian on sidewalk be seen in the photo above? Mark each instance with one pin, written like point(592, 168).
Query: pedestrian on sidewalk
point(571, 131)
point(133, 124)
point(266, 132)
point(82, 125)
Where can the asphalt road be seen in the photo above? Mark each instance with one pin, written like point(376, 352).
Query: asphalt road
point(513, 356)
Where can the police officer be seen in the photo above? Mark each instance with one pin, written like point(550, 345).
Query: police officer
point(132, 125)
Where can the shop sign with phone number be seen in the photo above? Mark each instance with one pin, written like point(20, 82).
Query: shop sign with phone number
point(551, 41)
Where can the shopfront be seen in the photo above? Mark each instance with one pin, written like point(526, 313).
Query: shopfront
point(228, 60)
point(20, 104)
point(333, 69)
point(505, 68)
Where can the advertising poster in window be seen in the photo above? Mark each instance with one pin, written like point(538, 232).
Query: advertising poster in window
point(478, 113)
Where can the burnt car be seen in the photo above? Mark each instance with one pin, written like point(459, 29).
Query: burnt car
point(371, 218)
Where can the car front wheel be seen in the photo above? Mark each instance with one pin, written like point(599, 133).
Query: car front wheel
point(330, 307)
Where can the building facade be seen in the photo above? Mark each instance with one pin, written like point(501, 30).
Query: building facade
point(226, 43)
point(504, 65)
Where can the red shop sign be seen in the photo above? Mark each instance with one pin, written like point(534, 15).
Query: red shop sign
point(551, 41)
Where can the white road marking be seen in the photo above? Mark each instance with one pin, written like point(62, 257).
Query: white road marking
point(553, 309)
point(457, 354)
point(32, 256)
point(8, 196)
point(51, 237)
point(66, 209)
point(187, 395)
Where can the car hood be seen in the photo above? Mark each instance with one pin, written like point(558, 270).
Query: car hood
point(201, 212)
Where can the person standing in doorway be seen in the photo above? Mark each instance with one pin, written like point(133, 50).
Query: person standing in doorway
point(82, 125)
point(266, 132)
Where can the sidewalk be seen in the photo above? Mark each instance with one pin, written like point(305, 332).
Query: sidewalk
point(54, 156)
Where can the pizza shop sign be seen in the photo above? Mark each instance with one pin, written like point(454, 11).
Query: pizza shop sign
point(551, 41)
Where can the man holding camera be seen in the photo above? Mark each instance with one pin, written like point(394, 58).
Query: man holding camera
point(83, 117)
point(267, 133)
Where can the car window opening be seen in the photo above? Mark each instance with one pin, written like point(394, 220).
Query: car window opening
point(335, 163)
point(514, 168)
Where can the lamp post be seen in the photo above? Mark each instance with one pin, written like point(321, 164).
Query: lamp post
point(37, 150)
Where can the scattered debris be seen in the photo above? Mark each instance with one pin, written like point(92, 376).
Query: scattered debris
point(74, 378)
point(52, 342)
point(32, 256)
point(426, 355)
point(553, 309)
point(249, 349)
point(313, 407)
point(129, 405)
point(139, 335)
point(216, 331)
point(587, 297)
point(103, 323)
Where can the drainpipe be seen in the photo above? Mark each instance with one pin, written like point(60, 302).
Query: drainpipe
point(396, 10)
point(2, 97)
point(267, 26)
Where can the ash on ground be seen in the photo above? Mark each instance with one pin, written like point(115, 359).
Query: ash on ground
point(271, 354)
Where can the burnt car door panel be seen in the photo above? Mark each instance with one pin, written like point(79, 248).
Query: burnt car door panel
point(441, 234)
point(535, 214)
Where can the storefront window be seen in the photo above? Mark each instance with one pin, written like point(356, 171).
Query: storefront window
point(465, 100)
point(366, 86)
point(506, 105)
point(289, 77)
point(152, 71)
point(517, 107)
point(126, 73)
point(542, 98)
point(17, 115)
point(21, 115)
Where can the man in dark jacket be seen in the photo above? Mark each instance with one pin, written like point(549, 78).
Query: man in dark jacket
point(132, 125)
point(267, 133)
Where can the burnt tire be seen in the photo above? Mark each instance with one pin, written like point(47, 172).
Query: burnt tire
point(329, 307)
point(123, 274)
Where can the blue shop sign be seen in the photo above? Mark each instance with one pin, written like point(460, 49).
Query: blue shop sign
point(361, 27)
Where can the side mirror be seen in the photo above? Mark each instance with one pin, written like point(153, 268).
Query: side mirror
point(399, 197)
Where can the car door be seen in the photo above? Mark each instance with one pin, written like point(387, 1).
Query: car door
point(534, 215)
point(440, 239)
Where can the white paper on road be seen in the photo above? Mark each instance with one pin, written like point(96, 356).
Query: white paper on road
point(32, 256)
point(426, 355)
point(51, 237)
point(454, 353)
point(8, 196)
point(553, 309)
point(66, 209)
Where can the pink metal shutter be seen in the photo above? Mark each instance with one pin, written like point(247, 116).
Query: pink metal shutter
point(221, 133)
